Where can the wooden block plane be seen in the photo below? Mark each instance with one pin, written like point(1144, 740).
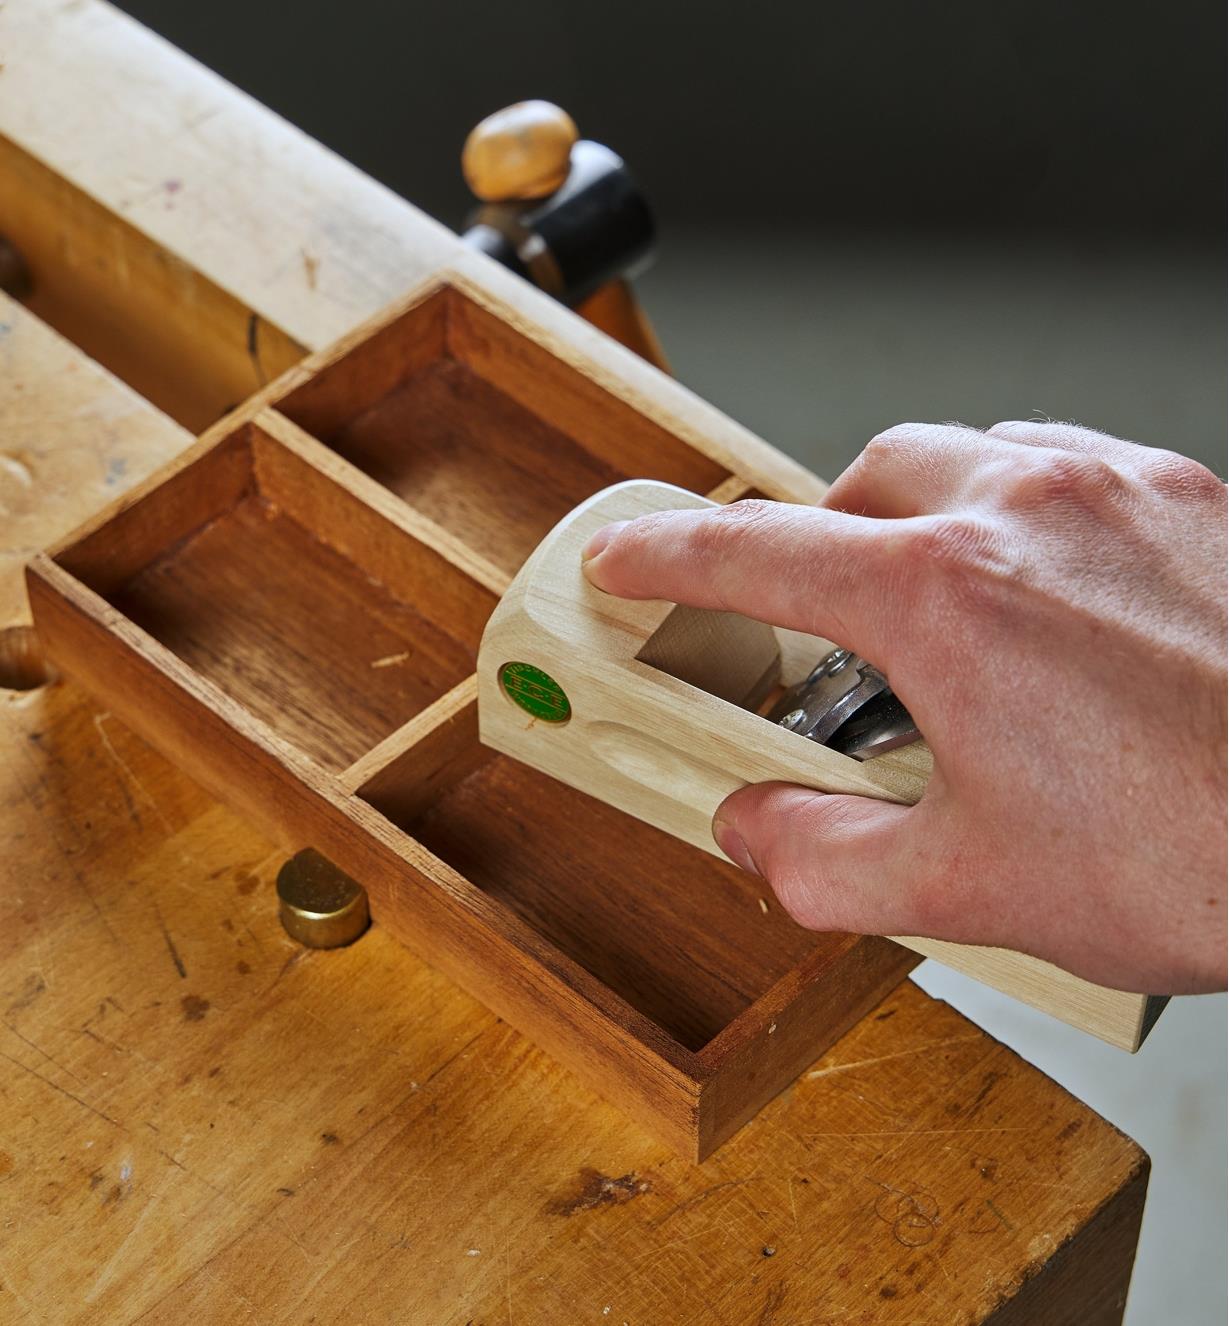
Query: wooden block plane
point(653, 708)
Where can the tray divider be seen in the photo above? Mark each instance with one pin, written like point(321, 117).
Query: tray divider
point(409, 768)
point(373, 495)
point(730, 490)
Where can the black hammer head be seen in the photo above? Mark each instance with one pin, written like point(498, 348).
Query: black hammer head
point(595, 227)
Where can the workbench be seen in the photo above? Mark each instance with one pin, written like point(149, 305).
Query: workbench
point(200, 1119)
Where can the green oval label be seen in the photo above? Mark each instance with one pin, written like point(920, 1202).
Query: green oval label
point(537, 692)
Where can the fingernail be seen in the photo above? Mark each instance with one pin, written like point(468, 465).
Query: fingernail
point(731, 843)
point(599, 540)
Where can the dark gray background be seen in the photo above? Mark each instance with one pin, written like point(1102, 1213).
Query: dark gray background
point(869, 212)
point(1089, 119)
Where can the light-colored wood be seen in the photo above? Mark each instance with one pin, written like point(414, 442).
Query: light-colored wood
point(733, 489)
point(1118, 1017)
point(664, 726)
point(639, 737)
point(335, 1133)
point(61, 459)
point(520, 152)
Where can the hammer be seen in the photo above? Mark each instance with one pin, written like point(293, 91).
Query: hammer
point(563, 212)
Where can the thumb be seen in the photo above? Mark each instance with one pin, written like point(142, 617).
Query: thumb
point(835, 862)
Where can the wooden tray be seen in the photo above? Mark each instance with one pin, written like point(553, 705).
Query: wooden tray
point(291, 611)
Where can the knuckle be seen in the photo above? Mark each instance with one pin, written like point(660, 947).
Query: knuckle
point(892, 441)
point(1067, 478)
point(850, 491)
point(1174, 475)
point(960, 546)
point(1011, 428)
point(713, 544)
point(731, 525)
point(837, 820)
point(747, 512)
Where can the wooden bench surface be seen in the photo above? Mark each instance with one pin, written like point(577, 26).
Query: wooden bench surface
point(197, 1116)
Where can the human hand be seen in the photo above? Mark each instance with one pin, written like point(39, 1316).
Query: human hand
point(1049, 603)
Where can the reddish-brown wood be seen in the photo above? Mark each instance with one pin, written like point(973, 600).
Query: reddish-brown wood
point(476, 426)
point(683, 940)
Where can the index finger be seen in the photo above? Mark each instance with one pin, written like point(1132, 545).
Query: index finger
point(823, 572)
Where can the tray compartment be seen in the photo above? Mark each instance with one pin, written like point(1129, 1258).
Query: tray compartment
point(687, 940)
point(289, 594)
point(481, 428)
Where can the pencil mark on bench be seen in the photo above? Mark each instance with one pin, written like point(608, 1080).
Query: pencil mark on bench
point(170, 945)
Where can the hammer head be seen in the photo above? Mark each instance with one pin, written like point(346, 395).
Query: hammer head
point(597, 226)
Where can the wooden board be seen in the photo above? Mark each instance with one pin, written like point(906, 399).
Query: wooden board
point(916, 1106)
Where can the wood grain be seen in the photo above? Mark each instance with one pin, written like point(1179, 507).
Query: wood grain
point(63, 458)
point(267, 1134)
point(294, 632)
point(454, 447)
point(476, 424)
point(412, 768)
point(682, 938)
